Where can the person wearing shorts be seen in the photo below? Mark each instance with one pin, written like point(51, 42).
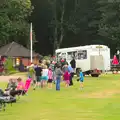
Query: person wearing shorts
point(38, 78)
point(44, 75)
point(38, 74)
point(50, 80)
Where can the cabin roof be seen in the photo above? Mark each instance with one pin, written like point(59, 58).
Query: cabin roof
point(14, 49)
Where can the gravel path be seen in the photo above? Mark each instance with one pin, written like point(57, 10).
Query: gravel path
point(6, 78)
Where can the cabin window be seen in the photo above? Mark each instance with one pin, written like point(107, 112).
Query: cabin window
point(82, 54)
point(71, 55)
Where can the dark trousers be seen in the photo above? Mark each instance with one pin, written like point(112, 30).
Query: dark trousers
point(58, 78)
point(17, 92)
point(71, 77)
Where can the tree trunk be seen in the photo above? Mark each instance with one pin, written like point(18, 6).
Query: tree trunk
point(56, 29)
point(61, 26)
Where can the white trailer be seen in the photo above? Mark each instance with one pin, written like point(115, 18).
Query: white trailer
point(88, 57)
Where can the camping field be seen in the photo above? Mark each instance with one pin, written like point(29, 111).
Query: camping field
point(99, 100)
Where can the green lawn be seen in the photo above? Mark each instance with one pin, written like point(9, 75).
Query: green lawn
point(100, 100)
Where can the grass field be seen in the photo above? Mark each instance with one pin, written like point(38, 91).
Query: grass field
point(99, 100)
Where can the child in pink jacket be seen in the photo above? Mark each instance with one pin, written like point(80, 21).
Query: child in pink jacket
point(50, 78)
point(67, 79)
point(20, 84)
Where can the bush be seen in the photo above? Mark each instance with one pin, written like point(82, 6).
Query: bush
point(8, 65)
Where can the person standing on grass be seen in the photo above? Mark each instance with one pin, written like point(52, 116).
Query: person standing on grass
point(81, 79)
point(52, 66)
point(58, 77)
point(44, 75)
point(73, 64)
point(50, 78)
point(65, 68)
point(38, 73)
point(67, 79)
point(71, 71)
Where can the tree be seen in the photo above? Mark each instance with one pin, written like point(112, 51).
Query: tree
point(14, 21)
point(57, 22)
point(74, 16)
point(109, 26)
point(85, 20)
point(8, 65)
point(66, 23)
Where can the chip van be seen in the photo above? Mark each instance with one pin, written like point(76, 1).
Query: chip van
point(92, 59)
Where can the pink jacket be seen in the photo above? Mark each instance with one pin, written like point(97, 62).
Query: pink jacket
point(66, 76)
point(50, 74)
point(20, 86)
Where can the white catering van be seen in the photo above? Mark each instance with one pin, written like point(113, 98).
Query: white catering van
point(88, 58)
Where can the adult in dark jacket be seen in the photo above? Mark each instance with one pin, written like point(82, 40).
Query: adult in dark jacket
point(73, 64)
point(38, 73)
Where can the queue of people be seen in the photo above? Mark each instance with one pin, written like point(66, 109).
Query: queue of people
point(44, 75)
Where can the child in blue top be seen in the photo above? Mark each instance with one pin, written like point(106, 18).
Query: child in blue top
point(81, 78)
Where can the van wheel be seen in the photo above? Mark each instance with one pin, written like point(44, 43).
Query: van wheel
point(94, 75)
